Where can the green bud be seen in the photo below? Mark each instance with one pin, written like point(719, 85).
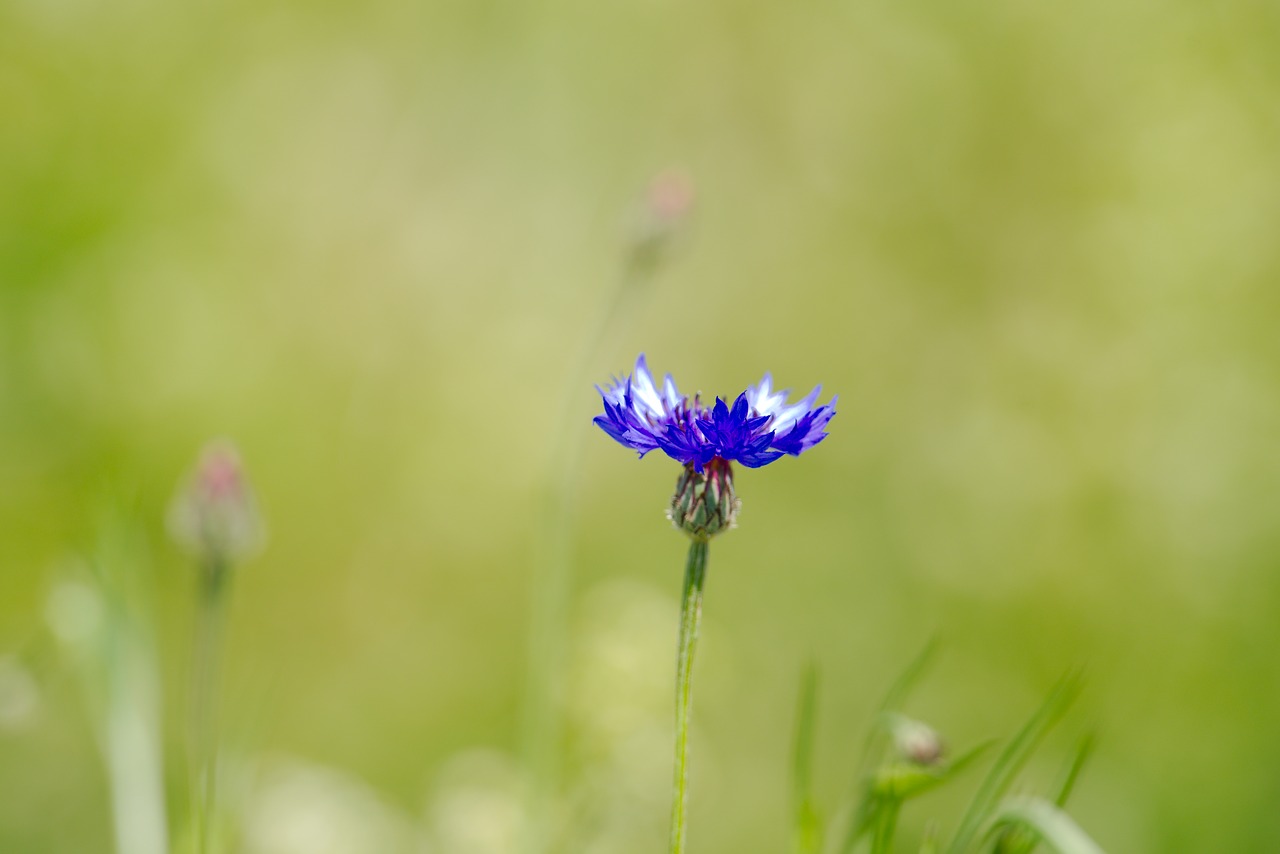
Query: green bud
point(704, 503)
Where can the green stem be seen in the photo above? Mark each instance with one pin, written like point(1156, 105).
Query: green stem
point(690, 616)
point(204, 700)
point(882, 842)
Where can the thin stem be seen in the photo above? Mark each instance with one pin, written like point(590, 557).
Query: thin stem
point(882, 842)
point(541, 727)
point(690, 616)
point(204, 700)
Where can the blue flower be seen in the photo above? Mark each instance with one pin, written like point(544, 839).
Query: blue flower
point(758, 428)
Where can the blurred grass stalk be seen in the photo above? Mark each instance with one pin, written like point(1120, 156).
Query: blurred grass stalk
point(657, 224)
point(100, 626)
point(132, 744)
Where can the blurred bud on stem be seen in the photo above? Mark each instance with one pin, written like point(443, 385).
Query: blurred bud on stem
point(661, 220)
point(214, 516)
point(916, 742)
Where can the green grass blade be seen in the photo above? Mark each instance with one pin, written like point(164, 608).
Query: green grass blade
point(886, 825)
point(1047, 823)
point(1084, 748)
point(1012, 758)
point(967, 758)
point(807, 832)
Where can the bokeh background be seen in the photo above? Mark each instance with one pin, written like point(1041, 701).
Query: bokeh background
point(1032, 246)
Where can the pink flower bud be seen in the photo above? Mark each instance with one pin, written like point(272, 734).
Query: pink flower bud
point(662, 217)
point(214, 516)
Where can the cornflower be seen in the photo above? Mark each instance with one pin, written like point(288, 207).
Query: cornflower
point(758, 428)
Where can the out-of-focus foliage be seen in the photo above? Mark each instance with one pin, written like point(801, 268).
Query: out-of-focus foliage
point(1032, 246)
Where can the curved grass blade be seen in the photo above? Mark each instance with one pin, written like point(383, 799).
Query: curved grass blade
point(1018, 841)
point(1046, 822)
point(1012, 758)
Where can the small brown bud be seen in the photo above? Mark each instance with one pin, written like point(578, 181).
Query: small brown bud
point(916, 742)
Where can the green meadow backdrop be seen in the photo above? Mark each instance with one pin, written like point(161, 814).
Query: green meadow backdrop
point(1032, 246)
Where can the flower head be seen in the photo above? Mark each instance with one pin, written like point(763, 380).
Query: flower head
point(760, 426)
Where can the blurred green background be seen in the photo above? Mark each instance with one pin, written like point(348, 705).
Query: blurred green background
point(1032, 246)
